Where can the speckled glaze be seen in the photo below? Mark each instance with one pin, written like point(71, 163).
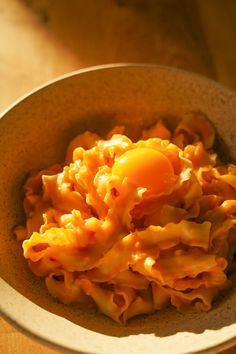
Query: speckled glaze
point(34, 133)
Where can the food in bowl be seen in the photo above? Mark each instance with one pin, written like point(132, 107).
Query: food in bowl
point(133, 226)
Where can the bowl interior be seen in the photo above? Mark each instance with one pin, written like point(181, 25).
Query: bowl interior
point(34, 134)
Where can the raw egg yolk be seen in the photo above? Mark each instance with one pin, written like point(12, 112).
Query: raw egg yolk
point(146, 167)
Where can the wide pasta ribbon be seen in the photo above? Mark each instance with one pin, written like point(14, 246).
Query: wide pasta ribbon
point(102, 235)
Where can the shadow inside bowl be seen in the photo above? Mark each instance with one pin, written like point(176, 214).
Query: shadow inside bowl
point(164, 323)
point(35, 133)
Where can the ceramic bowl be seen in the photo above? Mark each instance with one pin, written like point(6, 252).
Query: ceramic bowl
point(34, 133)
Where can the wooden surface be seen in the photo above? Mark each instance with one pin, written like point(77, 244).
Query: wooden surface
point(40, 40)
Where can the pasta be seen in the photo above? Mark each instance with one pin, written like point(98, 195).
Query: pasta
point(134, 226)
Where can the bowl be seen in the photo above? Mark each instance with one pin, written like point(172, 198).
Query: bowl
point(34, 133)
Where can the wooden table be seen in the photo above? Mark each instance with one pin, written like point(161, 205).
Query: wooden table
point(40, 40)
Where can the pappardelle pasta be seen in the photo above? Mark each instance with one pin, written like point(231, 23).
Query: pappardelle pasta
point(134, 226)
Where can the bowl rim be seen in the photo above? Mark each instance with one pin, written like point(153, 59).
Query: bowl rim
point(8, 316)
point(101, 67)
point(50, 343)
point(62, 349)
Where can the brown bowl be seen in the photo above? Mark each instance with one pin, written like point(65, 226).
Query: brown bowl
point(34, 133)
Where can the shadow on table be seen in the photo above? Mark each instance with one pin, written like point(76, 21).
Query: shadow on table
point(167, 32)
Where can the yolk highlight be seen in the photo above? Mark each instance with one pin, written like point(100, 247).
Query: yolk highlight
point(145, 167)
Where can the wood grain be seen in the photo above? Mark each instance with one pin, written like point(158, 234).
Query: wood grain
point(14, 342)
point(40, 40)
point(43, 39)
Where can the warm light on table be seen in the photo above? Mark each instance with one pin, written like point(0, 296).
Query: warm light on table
point(40, 40)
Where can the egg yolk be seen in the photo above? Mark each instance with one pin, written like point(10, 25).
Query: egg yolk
point(146, 167)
